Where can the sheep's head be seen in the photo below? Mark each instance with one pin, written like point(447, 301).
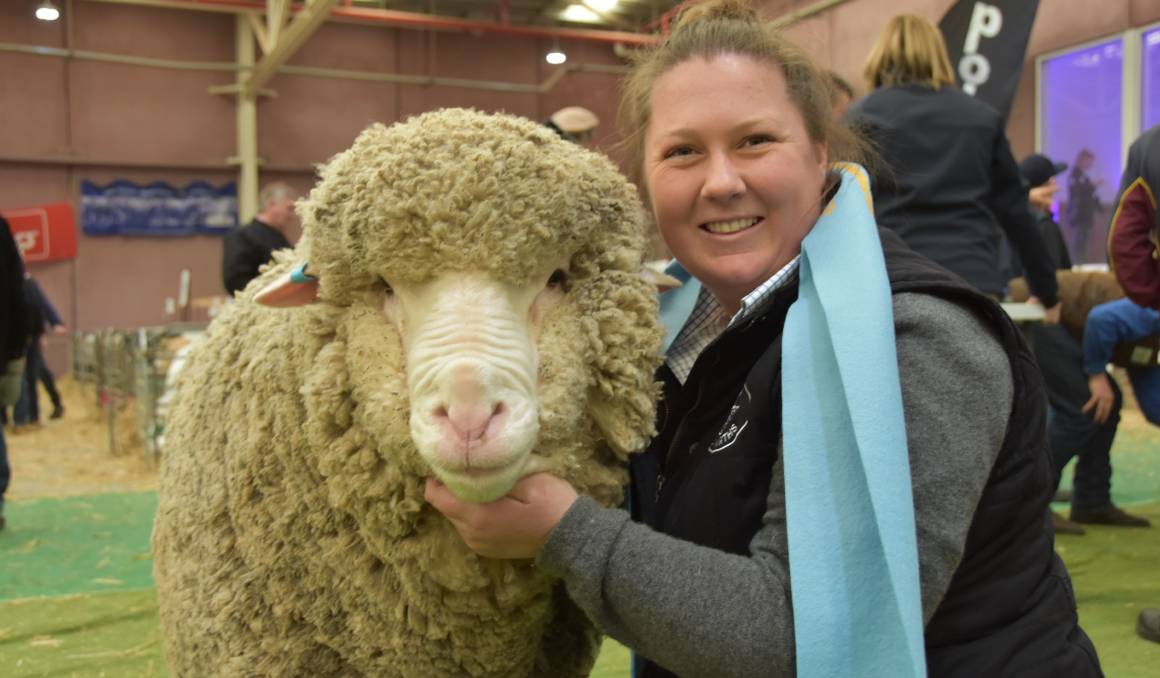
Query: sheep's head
point(490, 272)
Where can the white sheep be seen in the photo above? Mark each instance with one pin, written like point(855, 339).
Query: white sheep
point(479, 316)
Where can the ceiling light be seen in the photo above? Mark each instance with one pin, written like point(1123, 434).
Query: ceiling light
point(579, 14)
point(555, 56)
point(46, 11)
point(602, 5)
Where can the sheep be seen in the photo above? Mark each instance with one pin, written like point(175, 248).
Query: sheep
point(479, 316)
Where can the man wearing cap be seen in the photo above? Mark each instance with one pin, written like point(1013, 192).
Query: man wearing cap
point(1039, 172)
point(574, 123)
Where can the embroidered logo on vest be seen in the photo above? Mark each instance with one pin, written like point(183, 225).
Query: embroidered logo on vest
point(731, 431)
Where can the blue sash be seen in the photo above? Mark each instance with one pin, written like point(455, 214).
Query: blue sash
point(849, 508)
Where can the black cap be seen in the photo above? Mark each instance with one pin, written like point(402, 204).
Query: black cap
point(1038, 168)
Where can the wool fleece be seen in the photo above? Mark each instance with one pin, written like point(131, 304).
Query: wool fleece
point(292, 537)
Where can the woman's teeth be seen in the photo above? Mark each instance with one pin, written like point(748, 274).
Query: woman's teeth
point(731, 226)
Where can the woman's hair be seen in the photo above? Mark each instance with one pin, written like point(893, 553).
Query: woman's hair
point(910, 50)
point(732, 27)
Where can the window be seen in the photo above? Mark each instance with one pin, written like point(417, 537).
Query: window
point(1081, 118)
point(1150, 78)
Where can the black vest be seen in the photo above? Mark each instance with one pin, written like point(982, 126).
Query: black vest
point(1009, 609)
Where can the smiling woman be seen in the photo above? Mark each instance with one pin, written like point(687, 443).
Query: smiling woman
point(736, 179)
point(834, 405)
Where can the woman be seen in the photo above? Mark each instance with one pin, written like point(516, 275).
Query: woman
point(952, 178)
point(730, 128)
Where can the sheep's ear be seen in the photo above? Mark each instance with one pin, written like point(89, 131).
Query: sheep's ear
point(296, 288)
point(658, 279)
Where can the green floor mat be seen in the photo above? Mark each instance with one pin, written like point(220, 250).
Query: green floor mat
point(85, 635)
point(1135, 463)
point(101, 542)
point(55, 547)
point(1114, 572)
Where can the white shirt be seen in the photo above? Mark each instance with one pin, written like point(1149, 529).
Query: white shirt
point(708, 321)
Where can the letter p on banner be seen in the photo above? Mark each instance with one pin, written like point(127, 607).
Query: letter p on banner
point(44, 233)
point(988, 64)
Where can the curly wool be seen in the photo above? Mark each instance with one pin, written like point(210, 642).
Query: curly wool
point(292, 537)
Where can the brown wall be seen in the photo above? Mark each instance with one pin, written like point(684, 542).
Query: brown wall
point(840, 38)
point(77, 119)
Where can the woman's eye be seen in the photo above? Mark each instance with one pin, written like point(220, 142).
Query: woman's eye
point(558, 279)
point(387, 287)
point(757, 140)
point(679, 152)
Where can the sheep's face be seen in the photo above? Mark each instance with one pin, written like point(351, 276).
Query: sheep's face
point(471, 364)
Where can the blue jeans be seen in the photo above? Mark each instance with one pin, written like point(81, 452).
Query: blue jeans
point(1072, 433)
point(27, 409)
point(1146, 385)
point(5, 470)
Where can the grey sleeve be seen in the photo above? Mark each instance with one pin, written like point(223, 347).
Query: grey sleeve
point(702, 612)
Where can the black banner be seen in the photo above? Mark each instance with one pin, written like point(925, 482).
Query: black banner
point(986, 42)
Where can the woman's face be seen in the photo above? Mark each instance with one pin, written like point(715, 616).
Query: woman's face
point(733, 177)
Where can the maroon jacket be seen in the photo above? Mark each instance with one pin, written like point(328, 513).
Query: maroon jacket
point(1132, 237)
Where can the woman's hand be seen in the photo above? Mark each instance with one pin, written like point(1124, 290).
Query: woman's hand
point(515, 526)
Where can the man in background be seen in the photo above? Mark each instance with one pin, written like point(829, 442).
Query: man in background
point(13, 339)
point(248, 248)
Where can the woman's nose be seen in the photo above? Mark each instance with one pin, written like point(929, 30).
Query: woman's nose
point(723, 180)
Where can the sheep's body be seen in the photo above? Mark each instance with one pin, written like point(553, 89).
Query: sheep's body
point(292, 538)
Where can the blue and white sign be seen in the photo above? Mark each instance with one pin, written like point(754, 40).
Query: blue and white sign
point(158, 209)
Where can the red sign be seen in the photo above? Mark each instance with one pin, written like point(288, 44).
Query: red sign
point(44, 233)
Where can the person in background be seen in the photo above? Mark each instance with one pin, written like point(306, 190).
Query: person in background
point(41, 316)
point(1132, 252)
point(574, 123)
point(1039, 172)
point(842, 94)
point(950, 174)
point(1073, 430)
point(1082, 201)
point(245, 250)
point(13, 340)
point(719, 569)
point(1134, 257)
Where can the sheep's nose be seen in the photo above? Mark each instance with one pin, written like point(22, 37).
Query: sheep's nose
point(466, 408)
point(467, 421)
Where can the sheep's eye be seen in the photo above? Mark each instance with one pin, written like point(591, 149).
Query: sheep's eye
point(387, 287)
point(558, 279)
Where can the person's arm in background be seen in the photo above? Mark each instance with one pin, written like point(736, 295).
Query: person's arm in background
point(1107, 325)
point(1132, 252)
point(50, 315)
point(1009, 204)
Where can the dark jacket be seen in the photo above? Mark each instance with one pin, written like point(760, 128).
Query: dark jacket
point(950, 180)
point(1132, 251)
point(1009, 608)
point(245, 250)
point(40, 312)
point(13, 311)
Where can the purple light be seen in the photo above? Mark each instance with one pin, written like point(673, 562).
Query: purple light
point(1150, 79)
point(1082, 110)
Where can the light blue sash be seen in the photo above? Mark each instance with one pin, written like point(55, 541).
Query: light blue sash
point(850, 512)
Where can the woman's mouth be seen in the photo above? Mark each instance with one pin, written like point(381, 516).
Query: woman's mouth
point(731, 226)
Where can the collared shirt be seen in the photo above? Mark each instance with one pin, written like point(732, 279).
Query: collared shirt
point(708, 320)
